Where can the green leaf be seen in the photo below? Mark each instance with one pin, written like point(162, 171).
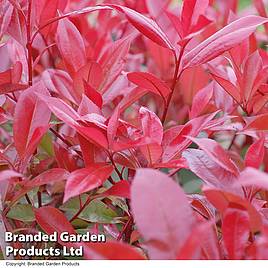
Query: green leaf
point(96, 211)
point(46, 144)
point(99, 212)
point(21, 212)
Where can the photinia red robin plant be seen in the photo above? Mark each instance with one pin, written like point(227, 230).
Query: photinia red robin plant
point(145, 121)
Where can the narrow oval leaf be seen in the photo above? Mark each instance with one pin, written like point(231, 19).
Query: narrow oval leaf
point(253, 177)
point(31, 120)
point(201, 100)
point(160, 210)
point(71, 45)
point(112, 61)
point(52, 220)
point(146, 26)
point(235, 232)
point(120, 189)
point(50, 176)
point(259, 123)
point(223, 40)
point(208, 170)
point(86, 179)
point(151, 83)
point(223, 200)
point(217, 154)
point(255, 153)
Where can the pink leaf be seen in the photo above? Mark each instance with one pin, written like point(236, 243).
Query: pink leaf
point(112, 61)
point(253, 177)
point(216, 153)
point(71, 45)
point(153, 196)
point(7, 174)
point(208, 170)
point(223, 40)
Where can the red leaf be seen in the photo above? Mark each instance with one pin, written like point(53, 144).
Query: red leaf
point(48, 12)
point(153, 194)
point(150, 82)
point(93, 95)
point(255, 153)
point(31, 120)
point(152, 135)
point(175, 140)
point(53, 220)
point(68, 115)
point(86, 179)
point(113, 250)
point(223, 200)
point(63, 111)
point(229, 87)
point(112, 127)
point(94, 134)
point(120, 189)
point(87, 106)
point(216, 153)
point(50, 176)
point(259, 123)
point(90, 75)
point(235, 232)
point(223, 40)
point(202, 239)
point(146, 26)
point(152, 153)
point(192, 15)
point(151, 127)
point(201, 100)
point(71, 45)
point(252, 68)
point(9, 80)
point(59, 82)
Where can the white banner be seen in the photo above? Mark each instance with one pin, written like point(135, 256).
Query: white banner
point(140, 264)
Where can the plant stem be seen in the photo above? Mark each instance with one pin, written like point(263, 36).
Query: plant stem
point(29, 44)
point(125, 228)
point(174, 82)
point(115, 167)
point(65, 141)
point(81, 209)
